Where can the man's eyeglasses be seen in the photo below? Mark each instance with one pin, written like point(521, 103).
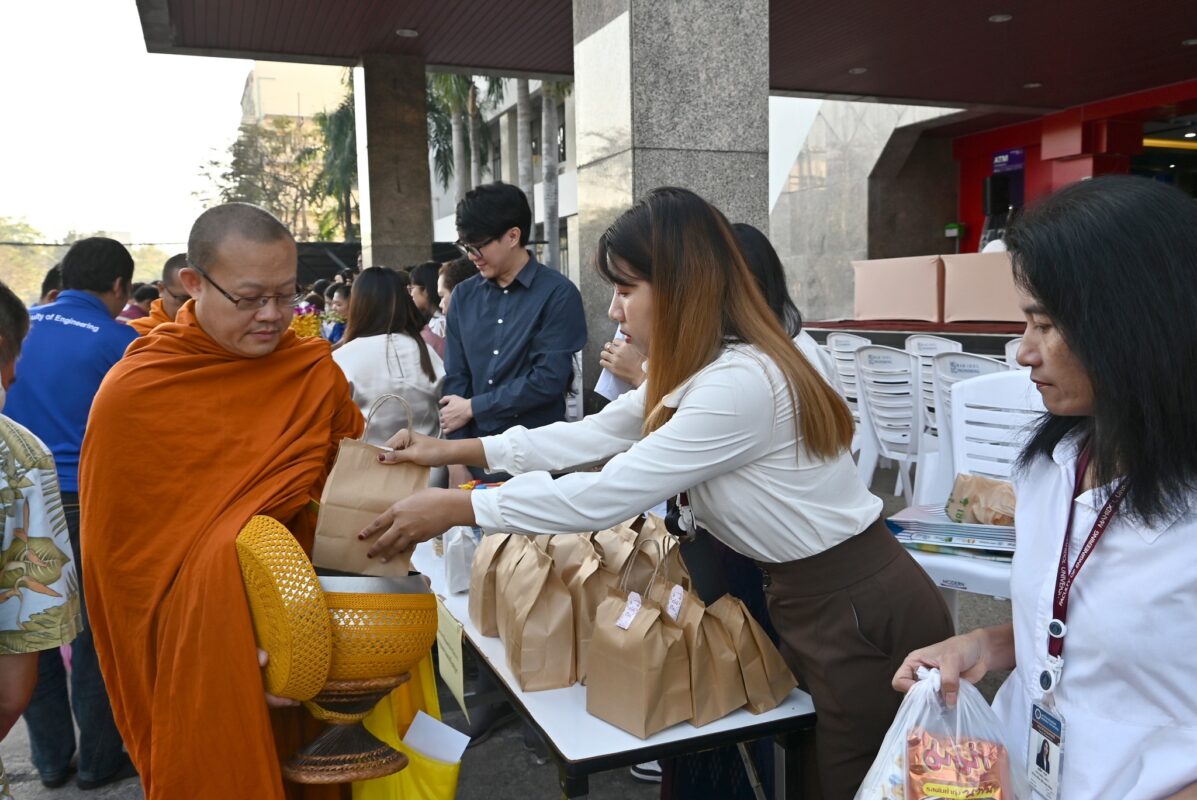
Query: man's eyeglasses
point(472, 250)
point(182, 298)
point(252, 303)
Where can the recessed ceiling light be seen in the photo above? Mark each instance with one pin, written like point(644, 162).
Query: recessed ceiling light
point(1000, 17)
point(1189, 43)
point(858, 70)
point(1171, 166)
point(407, 33)
point(1191, 135)
point(1033, 85)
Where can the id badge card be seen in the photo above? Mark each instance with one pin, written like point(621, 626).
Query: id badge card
point(1045, 750)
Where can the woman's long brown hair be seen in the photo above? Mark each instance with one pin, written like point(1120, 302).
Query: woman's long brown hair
point(704, 295)
point(379, 305)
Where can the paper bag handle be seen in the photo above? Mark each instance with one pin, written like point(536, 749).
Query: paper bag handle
point(377, 403)
point(627, 567)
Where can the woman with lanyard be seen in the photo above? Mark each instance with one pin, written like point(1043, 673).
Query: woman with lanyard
point(717, 416)
point(1103, 642)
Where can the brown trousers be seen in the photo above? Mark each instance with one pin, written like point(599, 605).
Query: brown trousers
point(847, 618)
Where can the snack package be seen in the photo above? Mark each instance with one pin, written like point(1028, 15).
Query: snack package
point(976, 498)
point(932, 752)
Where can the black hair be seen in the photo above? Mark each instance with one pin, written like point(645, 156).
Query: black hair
point(213, 226)
point(1113, 262)
point(335, 289)
point(173, 265)
point(315, 299)
point(456, 271)
point(14, 323)
point(95, 263)
point(425, 276)
point(347, 274)
point(770, 275)
point(321, 286)
point(381, 305)
point(146, 293)
point(490, 210)
point(53, 280)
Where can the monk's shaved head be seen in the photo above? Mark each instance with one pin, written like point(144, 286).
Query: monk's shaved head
point(219, 223)
point(14, 324)
point(173, 264)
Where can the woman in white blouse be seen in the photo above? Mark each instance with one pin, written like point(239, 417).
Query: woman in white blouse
point(382, 353)
point(1108, 269)
point(718, 416)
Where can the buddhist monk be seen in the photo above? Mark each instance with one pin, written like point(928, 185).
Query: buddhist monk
point(171, 299)
point(237, 417)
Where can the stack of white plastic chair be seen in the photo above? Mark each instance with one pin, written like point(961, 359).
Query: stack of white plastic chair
point(926, 348)
point(891, 399)
point(992, 418)
point(1012, 353)
point(933, 482)
point(842, 347)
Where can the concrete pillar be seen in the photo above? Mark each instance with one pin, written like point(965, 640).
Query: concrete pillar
point(666, 93)
point(394, 186)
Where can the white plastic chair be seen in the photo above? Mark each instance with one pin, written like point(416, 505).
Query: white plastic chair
point(1012, 353)
point(843, 347)
point(992, 417)
point(926, 348)
point(891, 399)
point(933, 481)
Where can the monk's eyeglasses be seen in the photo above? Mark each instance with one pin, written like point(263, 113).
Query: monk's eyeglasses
point(252, 303)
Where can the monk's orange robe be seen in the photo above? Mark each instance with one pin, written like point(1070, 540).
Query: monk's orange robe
point(156, 317)
point(221, 438)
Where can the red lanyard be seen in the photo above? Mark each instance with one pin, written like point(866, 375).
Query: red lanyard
point(1064, 576)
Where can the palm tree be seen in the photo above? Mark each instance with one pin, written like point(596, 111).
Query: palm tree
point(440, 137)
point(338, 168)
point(479, 133)
point(453, 93)
point(523, 122)
point(550, 93)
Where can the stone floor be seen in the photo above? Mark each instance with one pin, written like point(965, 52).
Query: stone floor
point(501, 768)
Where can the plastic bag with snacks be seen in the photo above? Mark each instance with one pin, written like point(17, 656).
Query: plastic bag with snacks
point(932, 751)
point(977, 499)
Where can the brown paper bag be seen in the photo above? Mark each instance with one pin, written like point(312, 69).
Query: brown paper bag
point(357, 491)
point(482, 583)
point(638, 671)
point(767, 679)
point(614, 546)
point(652, 529)
point(576, 561)
point(976, 498)
point(717, 687)
point(536, 620)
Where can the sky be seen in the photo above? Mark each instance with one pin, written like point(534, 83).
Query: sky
point(98, 134)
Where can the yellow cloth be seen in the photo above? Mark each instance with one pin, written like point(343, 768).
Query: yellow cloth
point(423, 778)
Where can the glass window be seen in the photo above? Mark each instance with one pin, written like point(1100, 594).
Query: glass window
point(561, 152)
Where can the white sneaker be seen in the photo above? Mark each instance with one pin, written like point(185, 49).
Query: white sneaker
point(648, 772)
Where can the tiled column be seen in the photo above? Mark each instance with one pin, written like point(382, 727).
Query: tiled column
point(394, 187)
point(666, 93)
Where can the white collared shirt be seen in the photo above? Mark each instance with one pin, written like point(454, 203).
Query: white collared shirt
point(731, 443)
point(390, 364)
point(1128, 693)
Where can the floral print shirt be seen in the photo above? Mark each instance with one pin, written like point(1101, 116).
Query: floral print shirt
point(39, 582)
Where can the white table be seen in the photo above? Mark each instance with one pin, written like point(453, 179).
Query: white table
point(583, 744)
point(954, 574)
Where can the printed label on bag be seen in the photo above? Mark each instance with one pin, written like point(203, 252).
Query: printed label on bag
point(629, 611)
point(675, 602)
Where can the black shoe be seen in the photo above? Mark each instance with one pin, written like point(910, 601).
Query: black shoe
point(123, 772)
point(535, 745)
point(60, 781)
point(648, 772)
point(487, 720)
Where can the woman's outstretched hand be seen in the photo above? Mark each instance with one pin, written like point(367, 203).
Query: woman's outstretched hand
point(416, 519)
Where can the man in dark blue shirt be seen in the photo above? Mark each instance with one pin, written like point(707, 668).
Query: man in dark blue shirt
point(512, 330)
point(72, 343)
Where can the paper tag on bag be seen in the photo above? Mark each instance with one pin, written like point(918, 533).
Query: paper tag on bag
point(630, 610)
point(675, 601)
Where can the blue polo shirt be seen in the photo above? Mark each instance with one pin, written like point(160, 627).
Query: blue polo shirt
point(510, 348)
point(72, 344)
